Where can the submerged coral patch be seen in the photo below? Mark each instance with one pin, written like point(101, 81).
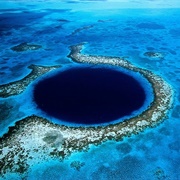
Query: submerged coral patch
point(25, 47)
point(89, 95)
point(150, 25)
point(151, 54)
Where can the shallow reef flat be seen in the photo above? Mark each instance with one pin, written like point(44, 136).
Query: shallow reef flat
point(17, 87)
point(35, 139)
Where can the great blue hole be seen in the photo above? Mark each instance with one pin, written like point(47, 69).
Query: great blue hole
point(87, 95)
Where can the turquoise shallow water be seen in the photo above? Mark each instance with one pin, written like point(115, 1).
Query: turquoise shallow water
point(110, 31)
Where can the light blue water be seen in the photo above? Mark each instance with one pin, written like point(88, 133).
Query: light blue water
point(113, 32)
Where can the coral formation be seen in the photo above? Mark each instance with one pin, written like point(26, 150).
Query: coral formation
point(17, 87)
point(77, 165)
point(34, 139)
point(25, 47)
point(154, 55)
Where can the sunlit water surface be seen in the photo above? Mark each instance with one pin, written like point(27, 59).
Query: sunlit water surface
point(112, 31)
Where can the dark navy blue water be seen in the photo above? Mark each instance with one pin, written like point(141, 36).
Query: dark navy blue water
point(89, 95)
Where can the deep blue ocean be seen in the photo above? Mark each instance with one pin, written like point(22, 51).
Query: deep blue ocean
point(122, 29)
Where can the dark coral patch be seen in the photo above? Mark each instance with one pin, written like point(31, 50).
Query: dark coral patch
point(25, 47)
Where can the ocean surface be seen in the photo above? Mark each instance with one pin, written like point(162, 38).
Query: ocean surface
point(122, 29)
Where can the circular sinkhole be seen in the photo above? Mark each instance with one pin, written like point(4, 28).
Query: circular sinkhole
point(89, 95)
